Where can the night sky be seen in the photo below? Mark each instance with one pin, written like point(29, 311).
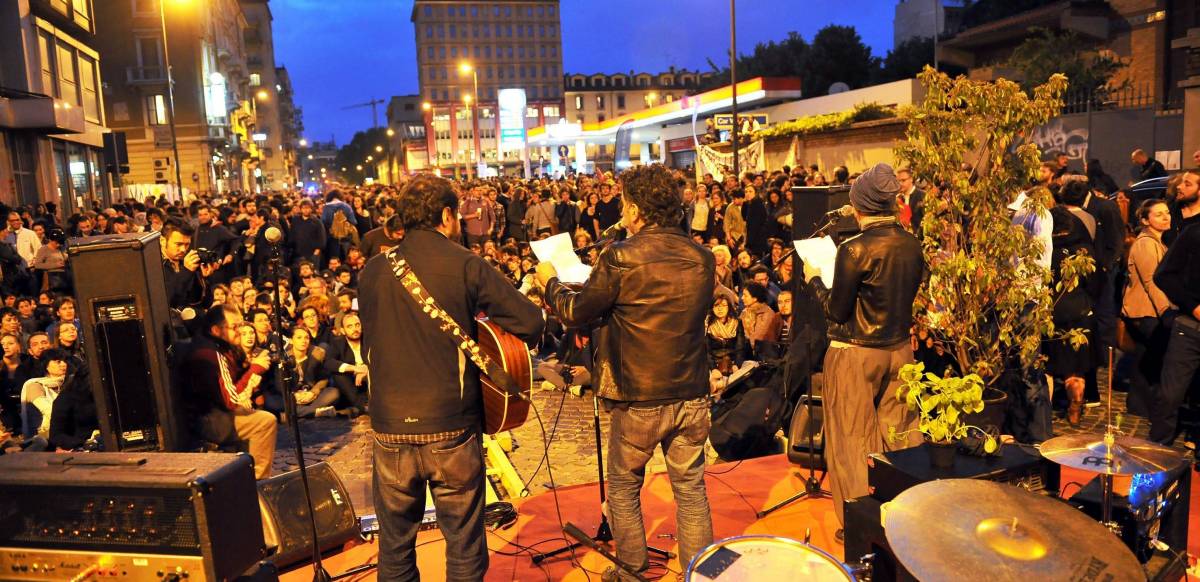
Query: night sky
point(343, 52)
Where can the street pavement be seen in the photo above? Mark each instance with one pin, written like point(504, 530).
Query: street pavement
point(346, 444)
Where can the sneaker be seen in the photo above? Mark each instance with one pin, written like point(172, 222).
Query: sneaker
point(575, 390)
point(324, 412)
point(1092, 404)
point(547, 386)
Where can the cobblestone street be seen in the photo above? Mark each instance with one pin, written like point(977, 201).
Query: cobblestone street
point(346, 445)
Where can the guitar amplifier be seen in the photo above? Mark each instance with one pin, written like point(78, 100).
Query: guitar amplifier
point(121, 516)
point(890, 473)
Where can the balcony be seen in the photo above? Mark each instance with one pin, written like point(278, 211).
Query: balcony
point(21, 110)
point(145, 75)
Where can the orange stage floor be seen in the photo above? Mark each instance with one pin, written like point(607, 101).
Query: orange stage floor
point(735, 494)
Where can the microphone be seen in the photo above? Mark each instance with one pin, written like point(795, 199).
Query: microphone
point(612, 231)
point(846, 210)
point(273, 234)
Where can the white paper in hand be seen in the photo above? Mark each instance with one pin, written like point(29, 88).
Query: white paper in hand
point(819, 253)
point(557, 250)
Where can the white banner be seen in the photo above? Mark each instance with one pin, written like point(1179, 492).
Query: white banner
point(710, 161)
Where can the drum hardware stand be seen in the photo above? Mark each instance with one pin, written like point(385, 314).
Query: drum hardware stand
point(604, 531)
point(285, 384)
point(584, 540)
point(1106, 480)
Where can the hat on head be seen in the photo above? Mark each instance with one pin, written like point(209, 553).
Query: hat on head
point(874, 192)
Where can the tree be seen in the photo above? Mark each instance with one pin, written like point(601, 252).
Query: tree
point(786, 58)
point(1047, 52)
point(908, 59)
point(838, 54)
point(986, 298)
point(355, 153)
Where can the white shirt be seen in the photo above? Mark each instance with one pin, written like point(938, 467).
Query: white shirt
point(700, 216)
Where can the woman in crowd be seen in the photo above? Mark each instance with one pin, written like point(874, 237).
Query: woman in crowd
point(73, 421)
point(67, 339)
point(727, 344)
point(1145, 306)
point(724, 266)
point(38, 394)
point(761, 322)
point(313, 397)
point(716, 226)
point(18, 369)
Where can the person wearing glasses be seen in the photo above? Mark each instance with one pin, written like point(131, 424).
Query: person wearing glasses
point(23, 239)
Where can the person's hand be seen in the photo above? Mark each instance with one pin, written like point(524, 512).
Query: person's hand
point(209, 269)
point(262, 360)
point(577, 371)
point(810, 272)
point(359, 378)
point(304, 397)
point(545, 272)
point(360, 369)
point(191, 261)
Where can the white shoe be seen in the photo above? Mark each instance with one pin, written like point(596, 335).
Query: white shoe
point(324, 412)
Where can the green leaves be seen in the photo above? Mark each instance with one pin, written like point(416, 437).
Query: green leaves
point(940, 402)
point(986, 295)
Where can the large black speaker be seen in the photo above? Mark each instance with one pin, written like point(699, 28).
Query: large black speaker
point(136, 516)
point(125, 319)
point(286, 525)
point(799, 450)
point(811, 205)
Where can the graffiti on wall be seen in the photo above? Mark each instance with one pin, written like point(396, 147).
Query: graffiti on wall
point(1055, 137)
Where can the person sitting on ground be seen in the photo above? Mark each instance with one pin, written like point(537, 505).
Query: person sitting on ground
point(38, 394)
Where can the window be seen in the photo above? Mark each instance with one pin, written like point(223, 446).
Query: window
point(511, 75)
point(542, 30)
point(462, 11)
point(156, 110)
point(521, 52)
point(255, 79)
point(477, 51)
point(508, 31)
point(88, 85)
point(543, 51)
point(498, 31)
point(621, 101)
point(475, 31)
point(550, 110)
point(578, 102)
point(600, 118)
point(531, 112)
point(428, 11)
point(520, 31)
point(496, 12)
point(83, 16)
point(599, 101)
point(441, 31)
point(487, 51)
point(453, 52)
point(508, 12)
point(428, 31)
point(429, 53)
point(533, 92)
point(147, 7)
point(474, 11)
point(46, 53)
point(541, 11)
point(501, 72)
point(510, 52)
point(442, 52)
point(521, 71)
point(554, 52)
point(453, 31)
point(68, 77)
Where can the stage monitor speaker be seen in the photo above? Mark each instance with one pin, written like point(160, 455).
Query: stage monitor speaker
point(811, 205)
point(286, 525)
point(799, 452)
point(125, 318)
point(890, 474)
point(135, 516)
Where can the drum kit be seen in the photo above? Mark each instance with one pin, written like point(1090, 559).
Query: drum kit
point(969, 529)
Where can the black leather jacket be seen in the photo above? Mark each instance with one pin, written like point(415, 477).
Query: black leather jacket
point(876, 276)
point(649, 296)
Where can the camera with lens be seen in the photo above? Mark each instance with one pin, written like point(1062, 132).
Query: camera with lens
point(208, 256)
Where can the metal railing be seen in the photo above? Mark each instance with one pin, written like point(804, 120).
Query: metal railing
point(1129, 97)
point(134, 74)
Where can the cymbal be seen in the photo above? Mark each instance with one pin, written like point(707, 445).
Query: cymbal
point(969, 529)
point(1126, 456)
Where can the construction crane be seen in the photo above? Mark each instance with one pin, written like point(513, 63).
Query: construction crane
point(374, 105)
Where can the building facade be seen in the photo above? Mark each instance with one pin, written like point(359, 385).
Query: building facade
point(467, 52)
point(272, 131)
point(598, 97)
point(408, 146)
point(925, 19)
point(52, 115)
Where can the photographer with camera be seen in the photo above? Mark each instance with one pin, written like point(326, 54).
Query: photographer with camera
point(215, 243)
point(184, 271)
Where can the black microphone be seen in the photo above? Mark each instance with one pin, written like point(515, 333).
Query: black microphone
point(612, 231)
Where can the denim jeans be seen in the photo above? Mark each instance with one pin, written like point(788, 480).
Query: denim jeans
point(454, 472)
point(1179, 367)
point(682, 429)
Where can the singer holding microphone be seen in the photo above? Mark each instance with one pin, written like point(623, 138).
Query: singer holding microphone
point(869, 310)
point(648, 296)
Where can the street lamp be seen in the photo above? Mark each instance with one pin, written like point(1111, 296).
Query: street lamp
point(378, 148)
point(369, 158)
point(391, 132)
point(262, 95)
point(472, 99)
point(162, 20)
point(303, 143)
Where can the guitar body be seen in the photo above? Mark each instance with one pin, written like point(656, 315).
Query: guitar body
point(502, 411)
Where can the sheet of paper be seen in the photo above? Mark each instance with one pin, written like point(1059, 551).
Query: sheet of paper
point(820, 254)
point(557, 250)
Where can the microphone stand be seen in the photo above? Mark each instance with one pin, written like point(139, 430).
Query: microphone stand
point(285, 383)
point(812, 485)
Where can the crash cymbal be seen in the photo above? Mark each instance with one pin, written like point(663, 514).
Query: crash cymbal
point(969, 529)
point(1125, 456)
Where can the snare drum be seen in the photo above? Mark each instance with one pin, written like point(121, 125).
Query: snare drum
point(765, 558)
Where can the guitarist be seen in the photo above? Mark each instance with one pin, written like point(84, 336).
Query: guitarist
point(426, 405)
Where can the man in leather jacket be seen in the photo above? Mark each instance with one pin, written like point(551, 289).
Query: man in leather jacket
point(869, 309)
point(649, 296)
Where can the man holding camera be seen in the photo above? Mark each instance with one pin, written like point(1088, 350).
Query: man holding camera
point(183, 270)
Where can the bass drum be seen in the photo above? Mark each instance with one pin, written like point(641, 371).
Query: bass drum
point(765, 558)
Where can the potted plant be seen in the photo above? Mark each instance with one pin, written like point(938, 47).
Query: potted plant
point(988, 300)
point(942, 404)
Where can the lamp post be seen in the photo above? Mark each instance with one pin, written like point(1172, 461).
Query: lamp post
point(162, 20)
point(391, 133)
point(473, 103)
point(431, 145)
point(733, 85)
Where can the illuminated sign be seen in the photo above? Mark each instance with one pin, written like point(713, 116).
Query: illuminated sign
point(512, 118)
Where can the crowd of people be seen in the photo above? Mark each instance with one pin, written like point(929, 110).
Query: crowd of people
point(218, 256)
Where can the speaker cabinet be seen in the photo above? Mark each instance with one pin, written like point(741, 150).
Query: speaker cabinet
point(808, 410)
point(286, 525)
point(125, 324)
point(811, 205)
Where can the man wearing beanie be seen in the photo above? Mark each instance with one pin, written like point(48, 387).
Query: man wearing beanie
point(868, 305)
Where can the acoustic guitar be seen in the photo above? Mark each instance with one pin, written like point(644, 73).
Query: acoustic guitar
point(502, 410)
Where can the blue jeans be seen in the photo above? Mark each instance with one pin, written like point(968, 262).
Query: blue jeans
point(682, 429)
point(454, 471)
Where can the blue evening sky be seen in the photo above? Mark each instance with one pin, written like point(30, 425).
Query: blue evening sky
point(343, 52)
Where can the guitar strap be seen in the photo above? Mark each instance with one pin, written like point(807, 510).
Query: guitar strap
point(466, 344)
